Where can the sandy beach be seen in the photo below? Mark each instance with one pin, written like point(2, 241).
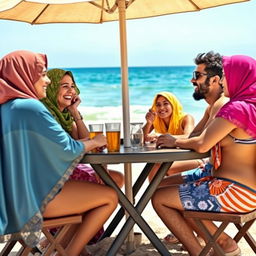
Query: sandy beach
point(145, 248)
point(160, 229)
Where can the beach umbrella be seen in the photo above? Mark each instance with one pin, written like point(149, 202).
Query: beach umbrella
point(99, 11)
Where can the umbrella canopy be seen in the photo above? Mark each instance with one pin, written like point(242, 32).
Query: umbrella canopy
point(99, 11)
point(76, 11)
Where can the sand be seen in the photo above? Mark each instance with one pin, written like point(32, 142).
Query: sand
point(145, 248)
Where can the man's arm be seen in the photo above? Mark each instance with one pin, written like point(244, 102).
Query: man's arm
point(201, 124)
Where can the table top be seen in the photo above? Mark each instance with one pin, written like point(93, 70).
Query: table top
point(147, 154)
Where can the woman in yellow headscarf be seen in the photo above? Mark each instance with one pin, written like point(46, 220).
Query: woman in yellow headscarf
point(166, 116)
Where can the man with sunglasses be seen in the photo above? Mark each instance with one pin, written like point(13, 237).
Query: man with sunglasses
point(206, 80)
point(207, 83)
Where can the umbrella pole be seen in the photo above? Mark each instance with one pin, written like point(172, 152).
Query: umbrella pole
point(124, 71)
point(126, 113)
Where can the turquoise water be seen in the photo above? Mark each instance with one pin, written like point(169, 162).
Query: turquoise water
point(100, 87)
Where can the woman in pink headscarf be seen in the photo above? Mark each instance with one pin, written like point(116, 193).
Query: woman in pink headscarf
point(36, 159)
point(232, 138)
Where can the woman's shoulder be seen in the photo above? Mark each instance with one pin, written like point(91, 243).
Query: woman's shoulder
point(29, 109)
point(188, 117)
point(27, 105)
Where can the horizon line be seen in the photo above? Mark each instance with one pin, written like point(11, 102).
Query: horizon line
point(160, 66)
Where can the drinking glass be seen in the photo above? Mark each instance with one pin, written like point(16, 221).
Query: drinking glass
point(95, 129)
point(136, 135)
point(113, 136)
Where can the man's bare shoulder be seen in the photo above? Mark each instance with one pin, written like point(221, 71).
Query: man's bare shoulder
point(218, 104)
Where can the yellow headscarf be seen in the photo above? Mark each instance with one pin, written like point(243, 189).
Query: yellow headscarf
point(176, 118)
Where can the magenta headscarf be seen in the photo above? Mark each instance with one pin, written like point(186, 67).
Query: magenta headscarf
point(240, 72)
point(19, 71)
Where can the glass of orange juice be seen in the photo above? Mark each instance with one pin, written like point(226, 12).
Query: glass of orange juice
point(95, 129)
point(113, 136)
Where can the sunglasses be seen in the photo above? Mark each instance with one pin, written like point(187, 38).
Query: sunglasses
point(197, 74)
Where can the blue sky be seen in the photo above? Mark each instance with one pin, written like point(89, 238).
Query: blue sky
point(168, 40)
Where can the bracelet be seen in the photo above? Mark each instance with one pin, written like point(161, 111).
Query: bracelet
point(78, 118)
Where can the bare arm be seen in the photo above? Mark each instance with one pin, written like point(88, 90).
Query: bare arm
point(148, 127)
point(79, 130)
point(201, 125)
point(188, 124)
point(97, 142)
point(214, 133)
point(209, 115)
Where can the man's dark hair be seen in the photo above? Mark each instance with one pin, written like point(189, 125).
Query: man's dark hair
point(212, 62)
point(213, 67)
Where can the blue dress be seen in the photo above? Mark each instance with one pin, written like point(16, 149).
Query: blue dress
point(36, 156)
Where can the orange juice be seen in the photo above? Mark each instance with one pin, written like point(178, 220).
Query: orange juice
point(92, 135)
point(113, 140)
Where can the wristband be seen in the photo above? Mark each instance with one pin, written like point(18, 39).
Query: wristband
point(78, 118)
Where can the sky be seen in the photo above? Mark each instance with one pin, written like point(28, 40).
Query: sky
point(160, 41)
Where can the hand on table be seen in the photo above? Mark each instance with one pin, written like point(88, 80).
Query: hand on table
point(166, 141)
point(100, 141)
point(151, 138)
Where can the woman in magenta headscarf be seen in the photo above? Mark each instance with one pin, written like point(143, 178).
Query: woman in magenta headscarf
point(232, 138)
point(36, 158)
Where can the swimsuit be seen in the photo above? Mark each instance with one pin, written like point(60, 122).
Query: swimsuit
point(197, 173)
point(216, 194)
point(243, 141)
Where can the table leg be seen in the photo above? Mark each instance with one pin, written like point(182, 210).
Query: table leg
point(136, 187)
point(135, 212)
point(130, 247)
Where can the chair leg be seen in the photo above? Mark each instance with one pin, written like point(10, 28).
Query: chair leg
point(243, 232)
point(7, 248)
point(23, 251)
point(211, 239)
point(55, 241)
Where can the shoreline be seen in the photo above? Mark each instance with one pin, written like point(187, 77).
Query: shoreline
point(114, 114)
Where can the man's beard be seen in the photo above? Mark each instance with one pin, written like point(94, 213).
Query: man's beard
point(202, 90)
point(198, 95)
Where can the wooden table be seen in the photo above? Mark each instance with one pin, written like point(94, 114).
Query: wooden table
point(150, 156)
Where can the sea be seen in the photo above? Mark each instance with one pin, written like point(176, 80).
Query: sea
point(101, 97)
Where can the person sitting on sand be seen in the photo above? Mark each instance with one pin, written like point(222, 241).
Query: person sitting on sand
point(231, 135)
point(37, 157)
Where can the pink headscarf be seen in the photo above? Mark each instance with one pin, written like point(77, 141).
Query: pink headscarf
point(19, 71)
point(240, 72)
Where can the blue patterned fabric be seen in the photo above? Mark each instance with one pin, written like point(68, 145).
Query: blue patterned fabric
point(197, 197)
point(197, 173)
point(37, 157)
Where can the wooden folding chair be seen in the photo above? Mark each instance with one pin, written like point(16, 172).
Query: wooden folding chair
point(62, 223)
point(242, 221)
